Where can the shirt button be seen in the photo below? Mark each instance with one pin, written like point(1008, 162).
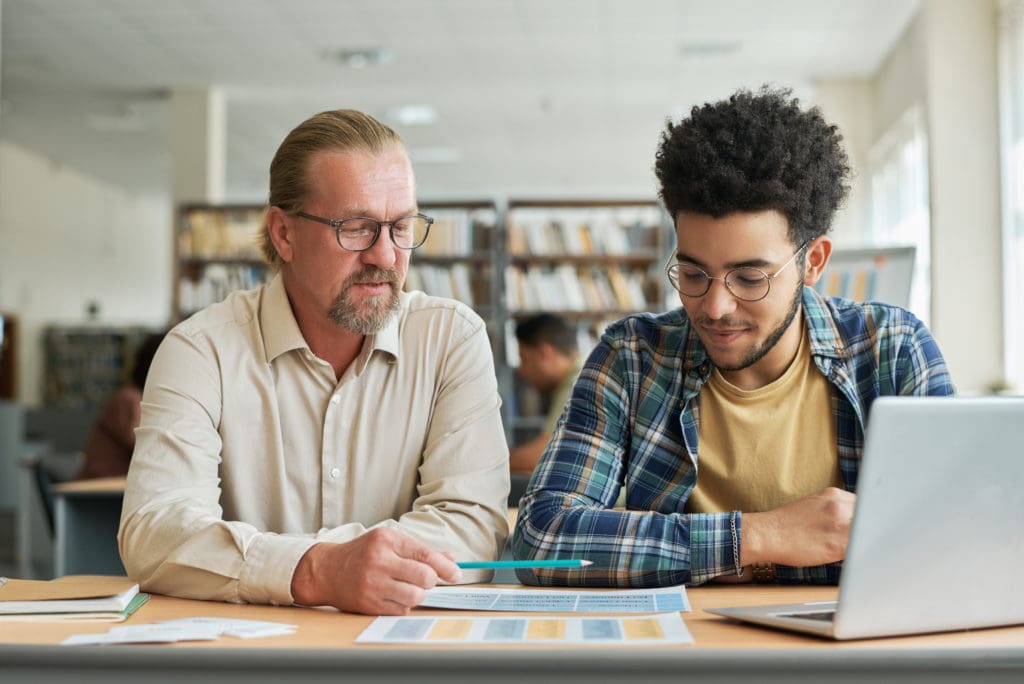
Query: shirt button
point(335, 472)
point(335, 399)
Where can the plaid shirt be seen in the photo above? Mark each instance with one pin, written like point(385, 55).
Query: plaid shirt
point(632, 420)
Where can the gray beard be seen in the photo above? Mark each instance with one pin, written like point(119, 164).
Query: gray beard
point(370, 315)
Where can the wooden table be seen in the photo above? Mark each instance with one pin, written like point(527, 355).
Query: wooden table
point(322, 649)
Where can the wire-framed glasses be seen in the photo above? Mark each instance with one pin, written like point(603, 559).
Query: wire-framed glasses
point(360, 233)
point(746, 282)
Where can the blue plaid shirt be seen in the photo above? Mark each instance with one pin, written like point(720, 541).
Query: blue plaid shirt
point(632, 421)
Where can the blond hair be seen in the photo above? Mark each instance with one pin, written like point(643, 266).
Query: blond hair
point(341, 130)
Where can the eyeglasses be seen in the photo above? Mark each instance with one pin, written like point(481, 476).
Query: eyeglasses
point(747, 283)
point(359, 233)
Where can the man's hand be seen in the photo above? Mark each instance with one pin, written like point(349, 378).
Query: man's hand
point(383, 572)
point(810, 531)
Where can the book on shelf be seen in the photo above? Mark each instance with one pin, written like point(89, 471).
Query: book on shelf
point(459, 231)
point(74, 597)
point(568, 288)
point(220, 233)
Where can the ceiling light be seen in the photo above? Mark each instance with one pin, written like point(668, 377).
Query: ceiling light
point(710, 48)
point(361, 57)
point(129, 118)
point(412, 115)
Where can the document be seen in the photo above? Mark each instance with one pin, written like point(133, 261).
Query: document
point(186, 629)
point(560, 601)
point(649, 630)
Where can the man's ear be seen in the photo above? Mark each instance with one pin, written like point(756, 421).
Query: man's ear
point(279, 226)
point(818, 254)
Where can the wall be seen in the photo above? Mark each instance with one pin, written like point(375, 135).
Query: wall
point(848, 104)
point(963, 124)
point(66, 240)
point(946, 63)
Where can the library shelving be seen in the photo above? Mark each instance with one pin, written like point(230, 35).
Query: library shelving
point(217, 252)
point(458, 259)
point(589, 261)
point(84, 364)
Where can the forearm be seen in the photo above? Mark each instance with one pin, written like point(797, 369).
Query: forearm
point(170, 547)
point(627, 548)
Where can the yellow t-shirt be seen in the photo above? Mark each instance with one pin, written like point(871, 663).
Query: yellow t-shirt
point(762, 448)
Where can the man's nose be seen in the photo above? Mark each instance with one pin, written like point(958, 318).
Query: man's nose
point(718, 301)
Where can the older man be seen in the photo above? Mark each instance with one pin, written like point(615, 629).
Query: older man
point(325, 439)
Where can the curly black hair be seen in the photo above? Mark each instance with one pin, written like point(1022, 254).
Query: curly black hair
point(754, 152)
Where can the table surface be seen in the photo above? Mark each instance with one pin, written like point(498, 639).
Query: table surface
point(323, 650)
point(328, 629)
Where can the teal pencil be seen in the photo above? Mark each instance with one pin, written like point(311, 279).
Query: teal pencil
point(497, 565)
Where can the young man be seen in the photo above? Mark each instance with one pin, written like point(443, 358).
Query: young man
point(325, 439)
point(548, 362)
point(735, 423)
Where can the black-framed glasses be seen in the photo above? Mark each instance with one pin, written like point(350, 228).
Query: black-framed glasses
point(747, 283)
point(360, 233)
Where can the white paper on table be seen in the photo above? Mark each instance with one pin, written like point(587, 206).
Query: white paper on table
point(648, 630)
point(559, 601)
point(185, 629)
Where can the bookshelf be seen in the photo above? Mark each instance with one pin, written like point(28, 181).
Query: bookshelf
point(458, 259)
point(85, 364)
point(217, 252)
point(591, 262)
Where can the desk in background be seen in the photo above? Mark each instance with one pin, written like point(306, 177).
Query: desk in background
point(323, 649)
point(86, 516)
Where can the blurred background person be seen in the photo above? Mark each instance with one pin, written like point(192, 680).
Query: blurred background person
point(549, 362)
point(108, 450)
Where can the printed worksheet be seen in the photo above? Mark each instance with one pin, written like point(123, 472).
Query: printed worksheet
point(649, 630)
point(559, 601)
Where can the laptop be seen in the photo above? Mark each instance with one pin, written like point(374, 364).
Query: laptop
point(937, 541)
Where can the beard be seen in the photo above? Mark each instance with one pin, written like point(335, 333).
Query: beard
point(758, 351)
point(366, 316)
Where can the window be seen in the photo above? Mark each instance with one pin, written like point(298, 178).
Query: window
point(899, 200)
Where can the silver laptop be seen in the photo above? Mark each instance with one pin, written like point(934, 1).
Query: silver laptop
point(937, 542)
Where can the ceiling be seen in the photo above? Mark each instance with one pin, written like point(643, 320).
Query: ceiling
point(534, 98)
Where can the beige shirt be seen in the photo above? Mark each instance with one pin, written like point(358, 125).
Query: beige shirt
point(760, 449)
point(249, 451)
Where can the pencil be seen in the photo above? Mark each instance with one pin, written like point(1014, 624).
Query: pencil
point(495, 565)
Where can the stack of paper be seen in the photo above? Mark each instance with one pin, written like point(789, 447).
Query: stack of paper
point(75, 597)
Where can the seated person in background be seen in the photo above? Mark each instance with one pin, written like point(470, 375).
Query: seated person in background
point(548, 362)
point(108, 450)
point(735, 424)
point(325, 439)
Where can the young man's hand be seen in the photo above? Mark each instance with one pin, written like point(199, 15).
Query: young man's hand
point(814, 530)
point(382, 572)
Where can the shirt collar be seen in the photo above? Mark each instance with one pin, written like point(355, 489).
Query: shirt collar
point(821, 326)
point(278, 326)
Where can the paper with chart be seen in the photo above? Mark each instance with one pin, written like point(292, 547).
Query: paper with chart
point(649, 630)
point(559, 601)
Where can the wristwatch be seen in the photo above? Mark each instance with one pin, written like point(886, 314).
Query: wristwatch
point(763, 573)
